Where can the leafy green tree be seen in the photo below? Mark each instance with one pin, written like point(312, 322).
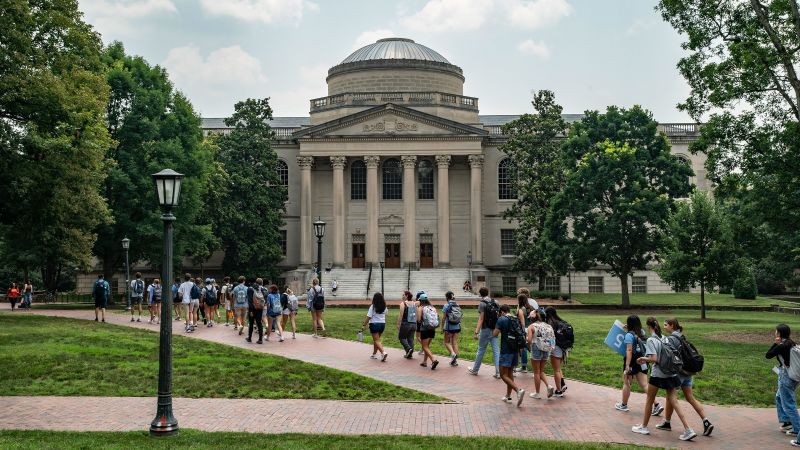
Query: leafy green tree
point(534, 148)
point(53, 137)
point(742, 67)
point(619, 191)
point(254, 206)
point(154, 128)
point(699, 247)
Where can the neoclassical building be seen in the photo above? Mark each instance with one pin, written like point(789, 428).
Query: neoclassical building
point(406, 173)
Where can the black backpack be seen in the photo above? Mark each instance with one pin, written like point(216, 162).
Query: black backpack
point(211, 295)
point(565, 335)
point(319, 299)
point(692, 359)
point(284, 301)
point(138, 287)
point(99, 290)
point(516, 335)
point(491, 312)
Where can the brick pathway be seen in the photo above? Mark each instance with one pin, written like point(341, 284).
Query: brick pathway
point(585, 414)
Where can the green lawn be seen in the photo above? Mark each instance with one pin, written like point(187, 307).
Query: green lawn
point(55, 356)
point(677, 299)
point(735, 373)
point(57, 440)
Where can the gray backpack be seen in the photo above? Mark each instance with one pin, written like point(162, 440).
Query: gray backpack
point(793, 371)
point(669, 358)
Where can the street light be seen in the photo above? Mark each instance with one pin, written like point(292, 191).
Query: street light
point(469, 259)
point(168, 189)
point(319, 231)
point(126, 244)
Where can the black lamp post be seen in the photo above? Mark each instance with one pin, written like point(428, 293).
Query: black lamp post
point(469, 259)
point(319, 231)
point(126, 244)
point(382, 285)
point(168, 189)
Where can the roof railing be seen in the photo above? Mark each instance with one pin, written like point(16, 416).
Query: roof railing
point(402, 98)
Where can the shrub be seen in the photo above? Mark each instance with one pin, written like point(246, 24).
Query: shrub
point(745, 286)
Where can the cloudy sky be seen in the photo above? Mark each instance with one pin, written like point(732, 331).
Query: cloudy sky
point(592, 53)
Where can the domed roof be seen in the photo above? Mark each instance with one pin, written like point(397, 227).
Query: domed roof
point(395, 48)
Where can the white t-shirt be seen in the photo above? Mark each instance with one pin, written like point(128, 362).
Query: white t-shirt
point(133, 287)
point(375, 317)
point(186, 289)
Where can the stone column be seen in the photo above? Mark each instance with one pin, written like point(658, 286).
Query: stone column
point(409, 211)
point(338, 163)
point(372, 209)
point(443, 208)
point(476, 212)
point(306, 229)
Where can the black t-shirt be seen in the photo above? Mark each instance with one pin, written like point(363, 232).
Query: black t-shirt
point(504, 325)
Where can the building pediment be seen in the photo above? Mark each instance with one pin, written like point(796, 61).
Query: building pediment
point(389, 120)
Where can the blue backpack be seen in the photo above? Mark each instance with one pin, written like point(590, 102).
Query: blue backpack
point(275, 304)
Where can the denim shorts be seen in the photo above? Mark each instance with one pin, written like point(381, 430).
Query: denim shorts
point(538, 355)
point(686, 381)
point(557, 352)
point(509, 359)
point(377, 328)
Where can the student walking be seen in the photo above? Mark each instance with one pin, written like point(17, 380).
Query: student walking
point(12, 294)
point(429, 320)
point(154, 300)
point(227, 298)
point(100, 294)
point(317, 300)
point(334, 286)
point(674, 330)
point(209, 296)
point(27, 294)
point(542, 340)
point(274, 310)
point(524, 309)
point(137, 295)
point(564, 341)
point(507, 326)
point(634, 341)
point(407, 324)
point(785, 397)
point(376, 318)
point(256, 300)
point(240, 304)
point(177, 299)
point(185, 293)
point(451, 325)
point(198, 303)
point(661, 377)
point(488, 313)
point(290, 312)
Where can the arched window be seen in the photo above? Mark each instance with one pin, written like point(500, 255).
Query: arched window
point(392, 180)
point(358, 180)
point(283, 173)
point(505, 185)
point(425, 180)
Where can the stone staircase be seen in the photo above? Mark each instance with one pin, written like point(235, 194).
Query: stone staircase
point(435, 282)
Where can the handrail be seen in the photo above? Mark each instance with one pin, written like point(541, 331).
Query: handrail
point(369, 279)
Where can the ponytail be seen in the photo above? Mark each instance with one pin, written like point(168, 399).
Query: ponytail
point(652, 322)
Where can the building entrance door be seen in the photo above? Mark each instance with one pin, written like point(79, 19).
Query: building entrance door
point(425, 255)
point(392, 255)
point(358, 255)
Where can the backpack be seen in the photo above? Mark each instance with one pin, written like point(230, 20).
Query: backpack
point(668, 359)
point(156, 293)
point(258, 297)
point(99, 290)
point(275, 303)
point(211, 295)
point(490, 314)
point(241, 295)
point(793, 371)
point(692, 359)
point(454, 313)
point(411, 312)
point(138, 287)
point(565, 335)
point(430, 320)
point(637, 348)
point(292, 302)
point(516, 335)
point(544, 337)
point(195, 292)
point(319, 299)
point(284, 301)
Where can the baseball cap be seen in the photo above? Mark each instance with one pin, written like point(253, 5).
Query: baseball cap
point(422, 296)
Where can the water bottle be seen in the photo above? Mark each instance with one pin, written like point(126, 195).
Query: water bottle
point(360, 336)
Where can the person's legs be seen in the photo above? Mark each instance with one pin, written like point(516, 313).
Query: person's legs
point(789, 400)
point(447, 345)
point(251, 321)
point(555, 363)
point(495, 341)
point(187, 314)
point(321, 323)
point(782, 416)
point(454, 342)
point(672, 398)
point(279, 326)
point(626, 388)
point(284, 319)
point(523, 356)
point(97, 314)
point(507, 375)
point(426, 347)
point(483, 341)
point(293, 316)
point(158, 312)
point(103, 313)
point(652, 391)
point(269, 324)
point(260, 324)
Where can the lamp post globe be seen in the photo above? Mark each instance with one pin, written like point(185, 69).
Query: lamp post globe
point(126, 244)
point(319, 231)
point(168, 189)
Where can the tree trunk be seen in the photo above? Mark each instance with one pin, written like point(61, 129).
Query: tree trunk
point(626, 300)
point(541, 274)
point(702, 300)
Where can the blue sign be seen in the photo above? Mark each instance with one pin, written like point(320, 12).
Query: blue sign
point(616, 338)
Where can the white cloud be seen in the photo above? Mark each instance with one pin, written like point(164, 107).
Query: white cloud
point(449, 15)
point(369, 37)
point(225, 76)
point(308, 83)
point(267, 11)
point(535, 13)
point(531, 47)
point(112, 18)
point(640, 25)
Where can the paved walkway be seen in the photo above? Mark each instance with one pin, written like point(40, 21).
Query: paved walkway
point(585, 414)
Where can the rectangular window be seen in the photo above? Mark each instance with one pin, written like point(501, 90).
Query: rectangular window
point(508, 243)
point(595, 285)
point(283, 242)
point(639, 285)
point(552, 284)
point(509, 285)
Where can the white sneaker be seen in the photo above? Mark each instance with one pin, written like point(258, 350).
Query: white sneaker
point(640, 429)
point(373, 357)
point(520, 396)
point(507, 399)
point(688, 435)
point(621, 407)
point(536, 395)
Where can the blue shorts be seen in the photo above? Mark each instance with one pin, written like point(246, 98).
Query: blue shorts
point(376, 328)
point(538, 355)
point(509, 359)
point(685, 381)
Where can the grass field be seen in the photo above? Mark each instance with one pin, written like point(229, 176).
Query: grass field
point(677, 299)
point(56, 356)
point(733, 343)
point(58, 440)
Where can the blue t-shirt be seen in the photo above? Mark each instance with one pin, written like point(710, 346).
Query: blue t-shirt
point(447, 325)
point(503, 324)
point(637, 348)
